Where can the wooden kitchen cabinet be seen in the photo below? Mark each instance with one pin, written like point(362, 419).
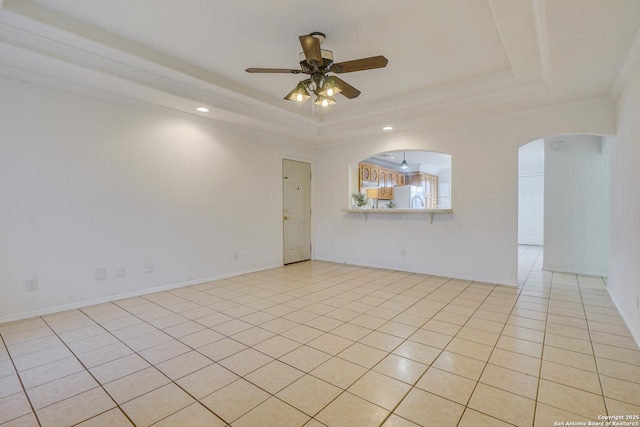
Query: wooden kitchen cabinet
point(382, 193)
point(389, 193)
point(398, 179)
point(378, 181)
point(368, 176)
point(375, 173)
point(431, 191)
point(382, 180)
point(429, 184)
point(413, 178)
point(365, 172)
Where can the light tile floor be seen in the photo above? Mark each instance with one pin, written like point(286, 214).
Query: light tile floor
point(328, 344)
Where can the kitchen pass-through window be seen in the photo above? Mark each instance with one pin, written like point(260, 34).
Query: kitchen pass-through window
point(402, 180)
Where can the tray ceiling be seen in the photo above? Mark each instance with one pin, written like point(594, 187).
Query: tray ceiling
point(445, 57)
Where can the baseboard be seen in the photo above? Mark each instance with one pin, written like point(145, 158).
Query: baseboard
point(111, 298)
point(580, 272)
point(635, 334)
point(513, 284)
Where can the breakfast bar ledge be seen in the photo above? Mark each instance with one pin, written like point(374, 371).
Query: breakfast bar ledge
point(429, 212)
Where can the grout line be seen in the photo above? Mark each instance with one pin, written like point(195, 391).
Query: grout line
point(388, 353)
point(544, 339)
point(292, 288)
point(24, 390)
point(595, 359)
point(171, 381)
point(87, 370)
point(407, 339)
point(489, 358)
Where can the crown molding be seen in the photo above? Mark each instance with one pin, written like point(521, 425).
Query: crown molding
point(629, 64)
point(542, 33)
point(113, 57)
point(51, 49)
point(148, 74)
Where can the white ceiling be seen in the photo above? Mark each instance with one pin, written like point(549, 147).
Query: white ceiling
point(446, 57)
point(415, 159)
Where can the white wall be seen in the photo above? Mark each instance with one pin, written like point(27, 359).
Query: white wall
point(576, 216)
point(444, 188)
point(479, 240)
point(531, 193)
point(624, 277)
point(86, 184)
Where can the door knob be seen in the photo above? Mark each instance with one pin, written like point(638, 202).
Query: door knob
point(286, 217)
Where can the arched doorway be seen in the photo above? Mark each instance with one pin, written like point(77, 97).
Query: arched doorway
point(565, 180)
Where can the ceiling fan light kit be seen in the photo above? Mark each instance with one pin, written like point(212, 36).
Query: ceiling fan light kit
point(324, 101)
point(299, 93)
point(318, 63)
point(329, 87)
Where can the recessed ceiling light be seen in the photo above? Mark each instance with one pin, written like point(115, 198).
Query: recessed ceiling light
point(202, 109)
point(387, 128)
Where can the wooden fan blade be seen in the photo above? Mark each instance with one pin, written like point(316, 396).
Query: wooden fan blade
point(273, 70)
point(311, 49)
point(360, 64)
point(346, 89)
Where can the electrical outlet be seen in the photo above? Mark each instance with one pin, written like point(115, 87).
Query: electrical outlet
point(235, 256)
point(32, 284)
point(101, 273)
point(148, 267)
point(121, 271)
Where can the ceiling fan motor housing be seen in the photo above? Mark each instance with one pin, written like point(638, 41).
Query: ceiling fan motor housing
point(320, 36)
point(327, 62)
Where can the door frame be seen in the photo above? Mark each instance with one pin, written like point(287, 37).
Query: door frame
point(311, 190)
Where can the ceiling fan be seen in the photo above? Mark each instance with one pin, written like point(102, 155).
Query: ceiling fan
point(318, 63)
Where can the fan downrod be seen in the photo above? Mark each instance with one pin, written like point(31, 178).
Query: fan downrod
point(320, 36)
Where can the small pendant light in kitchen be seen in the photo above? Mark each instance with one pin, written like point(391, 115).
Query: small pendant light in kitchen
point(404, 165)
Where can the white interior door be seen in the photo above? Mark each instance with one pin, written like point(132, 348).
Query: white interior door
point(296, 210)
